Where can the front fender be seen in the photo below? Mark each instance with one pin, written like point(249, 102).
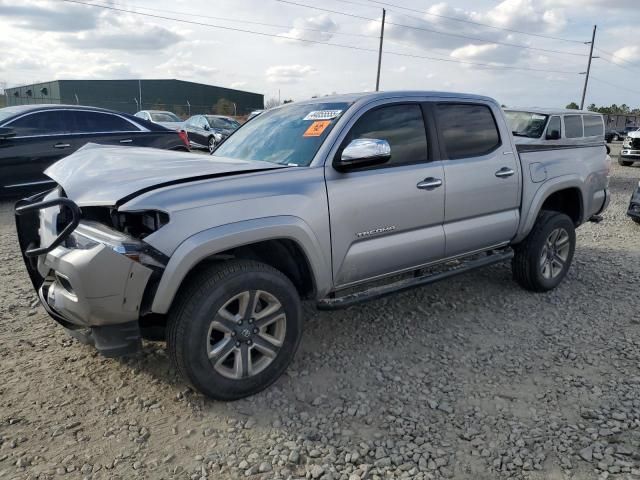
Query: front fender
point(535, 204)
point(218, 239)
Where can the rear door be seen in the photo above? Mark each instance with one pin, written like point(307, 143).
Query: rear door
point(198, 136)
point(105, 128)
point(41, 138)
point(387, 218)
point(482, 174)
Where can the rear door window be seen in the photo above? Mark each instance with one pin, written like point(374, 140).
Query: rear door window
point(98, 122)
point(467, 130)
point(573, 126)
point(50, 122)
point(593, 125)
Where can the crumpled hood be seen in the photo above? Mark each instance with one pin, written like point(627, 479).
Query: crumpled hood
point(633, 134)
point(105, 175)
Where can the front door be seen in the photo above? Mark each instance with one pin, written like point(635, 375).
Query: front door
point(482, 177)
point(387, 218)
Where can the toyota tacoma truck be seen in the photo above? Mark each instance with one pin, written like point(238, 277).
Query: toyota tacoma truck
point(335, 201)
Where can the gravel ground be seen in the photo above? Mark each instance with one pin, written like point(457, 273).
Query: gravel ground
point(473, 379)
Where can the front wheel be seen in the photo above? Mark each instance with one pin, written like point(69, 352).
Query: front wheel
point(625, 163)
point(234, 328)
point(211, 144)
point(543, 259)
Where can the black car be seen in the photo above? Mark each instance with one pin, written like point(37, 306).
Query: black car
point(615, 134)
point(206, 131)
point(32, 137)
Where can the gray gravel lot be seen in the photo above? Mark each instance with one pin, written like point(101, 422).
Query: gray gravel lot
point(473, 378)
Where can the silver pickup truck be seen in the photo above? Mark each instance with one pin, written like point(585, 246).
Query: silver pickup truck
point(335, 200)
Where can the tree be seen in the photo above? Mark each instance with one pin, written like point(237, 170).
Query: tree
point(224, 107)
point(271, 103)
point(573, 106)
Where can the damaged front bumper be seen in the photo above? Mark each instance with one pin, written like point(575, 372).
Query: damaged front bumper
point(86, 284)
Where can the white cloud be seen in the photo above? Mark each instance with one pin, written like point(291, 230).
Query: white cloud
point(238, 84)
point(522, 14)
point(319, 28)
point(186, 68)
point(59, 17)
point(141, 38)
point(288, 73)
point(630, 53)
point(486, 53)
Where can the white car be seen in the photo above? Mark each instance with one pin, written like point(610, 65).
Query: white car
point(630, 149)
point(162, 117)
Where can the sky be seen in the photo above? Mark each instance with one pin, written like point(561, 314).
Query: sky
point(469, 45)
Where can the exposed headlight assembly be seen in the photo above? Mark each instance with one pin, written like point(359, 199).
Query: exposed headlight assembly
point(90, 234)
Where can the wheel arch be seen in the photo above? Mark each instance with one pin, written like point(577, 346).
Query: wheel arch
point(286, 243)
point(563, 195)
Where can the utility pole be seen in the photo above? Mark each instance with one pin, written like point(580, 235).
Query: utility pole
point(140, 92)
point(384, 14)
point(586, 78)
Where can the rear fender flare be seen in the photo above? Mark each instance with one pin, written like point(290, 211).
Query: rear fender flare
point(547, 189)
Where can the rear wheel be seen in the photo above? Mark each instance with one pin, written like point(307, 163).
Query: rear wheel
point(235, 328)
point(543, 259)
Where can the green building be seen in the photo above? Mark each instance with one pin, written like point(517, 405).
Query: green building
point(178, 96)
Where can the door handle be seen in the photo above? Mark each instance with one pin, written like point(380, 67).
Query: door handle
point(128, 140)
point(504, 172)
point(429, 183)
point(62, 145)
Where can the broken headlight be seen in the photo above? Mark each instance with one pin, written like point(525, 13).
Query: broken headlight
point(90, 234)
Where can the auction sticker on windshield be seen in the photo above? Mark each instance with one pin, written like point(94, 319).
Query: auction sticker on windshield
point(322, 114)
point(316, 128)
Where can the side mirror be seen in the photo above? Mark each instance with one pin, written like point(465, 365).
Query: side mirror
point(363, 152)
point(553, 135)
point(6, 132)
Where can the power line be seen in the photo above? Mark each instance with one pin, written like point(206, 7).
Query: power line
point(618, 65)
point(551, 37)
point(613, 55)
point(614, 85)
point(249, 22)
point(438, 32)
point(352, 47)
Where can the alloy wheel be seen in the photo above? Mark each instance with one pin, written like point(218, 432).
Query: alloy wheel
point(555, 253)
point(246, 334)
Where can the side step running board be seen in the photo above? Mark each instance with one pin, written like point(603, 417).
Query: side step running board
point(374, 293)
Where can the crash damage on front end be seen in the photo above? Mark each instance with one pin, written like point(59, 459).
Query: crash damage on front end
point(85, 252)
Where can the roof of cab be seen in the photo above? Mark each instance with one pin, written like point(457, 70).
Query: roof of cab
point(550, 111)
point(369, 96)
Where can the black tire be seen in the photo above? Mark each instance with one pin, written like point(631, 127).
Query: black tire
point(211, 144)
point(625, 163)
point(199, 302)
point(635, 219)
point(527, 262)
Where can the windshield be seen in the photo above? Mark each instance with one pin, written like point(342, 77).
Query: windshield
point(526, 124)
point(165, 117)
point(289, 135)
point(226, 123)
